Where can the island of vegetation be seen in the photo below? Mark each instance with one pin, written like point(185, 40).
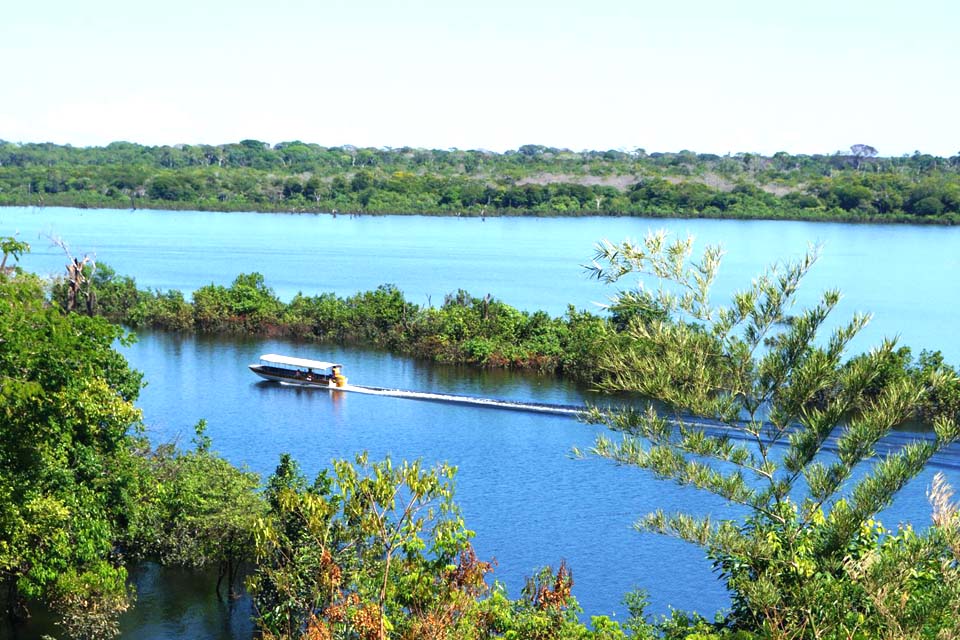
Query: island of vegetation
point(854, 185)
point(83, 493)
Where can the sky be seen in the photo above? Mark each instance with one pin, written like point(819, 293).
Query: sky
point(710, 76)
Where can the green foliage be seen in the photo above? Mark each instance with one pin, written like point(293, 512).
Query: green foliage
point(247, 305)
point(80, 491)
point(466, 329)
point(939, 381)
point(11, 248)
point(376, 548)
point(163, 310)
point(294, 176)
point(67, 439)
point(117, 296)
point(912, 580)
point(754, 392)
point(91, 601)
point(195, 510)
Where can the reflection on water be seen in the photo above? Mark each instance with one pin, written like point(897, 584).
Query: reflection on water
point(170, 603)
point(176, 603)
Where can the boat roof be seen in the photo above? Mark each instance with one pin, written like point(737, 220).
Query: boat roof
point(297, 362)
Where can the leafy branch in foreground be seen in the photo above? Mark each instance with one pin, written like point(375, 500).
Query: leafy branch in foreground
point(376, 550)
point(755, 391)
point(68, 427)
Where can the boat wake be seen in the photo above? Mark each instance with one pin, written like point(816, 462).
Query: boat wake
point(946, 459)
point(476, 401)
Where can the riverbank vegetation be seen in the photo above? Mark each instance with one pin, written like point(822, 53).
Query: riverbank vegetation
point(365, 550)
point(378, 549)
point(854, 185)
point(464, 329)
point(792, 438)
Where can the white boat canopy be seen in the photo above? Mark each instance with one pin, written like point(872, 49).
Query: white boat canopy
point(300, 363)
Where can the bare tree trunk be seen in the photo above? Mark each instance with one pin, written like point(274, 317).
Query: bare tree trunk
point(233, 567)
point(220, 573)
point(76, 279)
point(383, 598)
point(16, 606)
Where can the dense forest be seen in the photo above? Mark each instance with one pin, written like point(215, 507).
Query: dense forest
point(854, 185)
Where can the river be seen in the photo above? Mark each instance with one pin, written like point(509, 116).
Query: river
point(529, 502)
point(905, 275)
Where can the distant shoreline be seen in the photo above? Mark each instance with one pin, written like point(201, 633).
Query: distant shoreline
point(793, 215)
point(535, 181)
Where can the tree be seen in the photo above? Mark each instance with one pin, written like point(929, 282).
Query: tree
point(754, 393)
point(72, 292)
point(196, 510)
point(11, 248)
point(67, 440)
point(117, 296)
point(861, 151)
point(851, 196)
point(912, 580)
point(377, 549)
point(930, 206)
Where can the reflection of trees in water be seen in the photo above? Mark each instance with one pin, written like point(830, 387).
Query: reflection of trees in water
point(179, 603)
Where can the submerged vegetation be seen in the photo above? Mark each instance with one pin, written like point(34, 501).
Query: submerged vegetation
point(463, 330)
point(533, 180)
point(371, 550)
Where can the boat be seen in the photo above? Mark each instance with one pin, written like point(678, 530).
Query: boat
point(300, 371)
point(329, 375)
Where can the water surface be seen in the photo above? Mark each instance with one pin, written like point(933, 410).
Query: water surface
point(529, 502)
point(905, 275)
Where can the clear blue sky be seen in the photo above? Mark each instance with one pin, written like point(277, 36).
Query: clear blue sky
point(709, 76)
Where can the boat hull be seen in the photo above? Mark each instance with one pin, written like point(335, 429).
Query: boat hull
point(290, 378)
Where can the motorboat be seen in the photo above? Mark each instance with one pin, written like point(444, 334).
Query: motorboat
point(299, 371)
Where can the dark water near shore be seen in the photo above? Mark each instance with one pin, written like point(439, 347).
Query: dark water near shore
point(529, 502)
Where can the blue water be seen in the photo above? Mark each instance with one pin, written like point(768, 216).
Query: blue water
point(530, 503)
point(905, 275)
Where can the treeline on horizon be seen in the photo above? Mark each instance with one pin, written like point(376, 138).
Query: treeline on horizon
point(858, 185)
